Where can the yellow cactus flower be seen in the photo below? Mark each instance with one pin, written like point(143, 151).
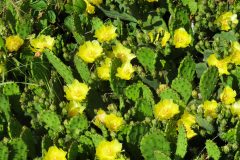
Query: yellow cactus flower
point(106, 33)
point(108, 150)
point(235, 108)
point(95, 2)
point(226, 20)
point(188, 120)
point(74, 108)
point(228, 95)
point(123, 53)
point(42, 42)
point(125, 71)
point(235, 53)
point(210, 108)
point(103, 71)
point(165, 38)
point(100, 117)
point(13, 43)
point(113, 122)
point(222, 64)
point(55, 154)
point(76, 91)
point(90, 9)
point(181, 38)
point(90, 51)
point(165, 109)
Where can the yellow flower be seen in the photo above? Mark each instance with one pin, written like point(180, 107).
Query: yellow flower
point(106, 33)
point(42, 42)
point(103, 72)
point(228, 95)
point(113, 122)
point(74, 108)
point(188, 120)
point(76, 91)
point(108, 150)
point(210, 108)
point(235, 53)
point(55, 154)
point(95, 2)
point(13, 43)
point(222, 64)
point(226, 20)
point(165, 38)
point(90, 51)
point(165, 109)
point(125, 71)
point(122, 53)
point(235, 108)
point(181, 38)
point(100, 117)
point(89, 8)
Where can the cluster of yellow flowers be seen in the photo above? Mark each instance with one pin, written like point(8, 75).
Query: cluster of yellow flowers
point(13, 43)
point(111, 121)
point(90, 5)
point(222, 64)
point(210, 108)
point(106, 33)
point(160, 32)
point(108, 150)
point(55, 154)
point(76, 93)
point(42, 42)
point(227, 20)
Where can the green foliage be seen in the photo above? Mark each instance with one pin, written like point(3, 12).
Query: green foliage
point(143, 109)
point(4, 151)
point(208, 82)
point(147, 57)
point(18, 148)
point(73, 151)
point(192, 5)
point(213, 150)
point(14, 128)
point(82, 69)
point(205, 124)
point(183, 87)
point(187, 68)
point(11, 89)
point(170, 94)
point(4, 106)
point(154, 142)
point(28, 137)
point(61, 68)
point(181, 142)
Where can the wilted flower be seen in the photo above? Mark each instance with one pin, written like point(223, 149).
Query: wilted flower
point(210, 108)
point(13, 43)
point(76, 91)
point(74, 108)
point(165, 109)
point(228, 95)
point(188, 120)
point(226, 20)
point(122, 53)
point(42, 42)
point(103, 71)
point(113, 122)
point(108, 150)
point(106, 33)
point(165, 38)
point(55, 154)
point(222, 64)
point(125, 71)
point(100, 117)
point(89, 8)
point(90, 51)
point(181, 38)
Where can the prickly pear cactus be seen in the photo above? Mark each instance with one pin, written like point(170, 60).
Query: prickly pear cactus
point(154, 142)
point(4, 106)
point(183, 87)
point(205, 124)
point(143, 109)
point(18, 148)
point(187, 68)
point(171, 94)
point(86, 147)
point(82, 69)
point(76, 125)
point(14, 128)
point(11, 89)
point(181, 142)
point(4, 151)
point(30, 140)
point(213, 150)
point(73, 151)
point(147, 57)
point(61, 68)
point(208, 82)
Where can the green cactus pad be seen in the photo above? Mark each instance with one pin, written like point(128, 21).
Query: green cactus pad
point(46, 143)
point(86, 147)
point(154, 142)
point(61, 68)
point(11, 89)
point(183, 87)
point(73, 151)
point(181, 142)
point(4, 151)
point(159, 155)
point(187, 68)
point(208, 82)
point(14, 128)
point(143, 109)
point(4, 106)
point(82, 69)
point(18, 149)
point(204, 124)
point(171, 94)
point(147, 57)
point(29, 139)
point(213, 150)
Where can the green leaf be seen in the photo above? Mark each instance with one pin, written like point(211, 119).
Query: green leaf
point(39, 5)
point(78, 6)
point(213, 150)
point(11, 89)
point(181, 142)
point(51, 16)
